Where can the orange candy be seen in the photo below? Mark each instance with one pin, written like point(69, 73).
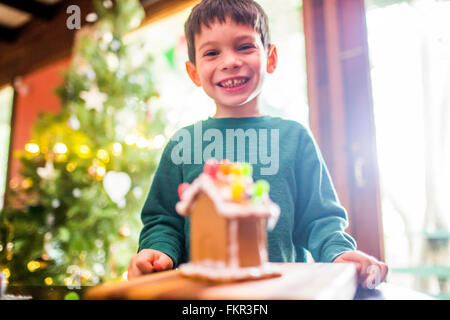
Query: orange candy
point(225, 166)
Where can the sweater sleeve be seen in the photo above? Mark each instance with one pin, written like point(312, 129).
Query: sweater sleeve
point(320, 218)
point(163, 228)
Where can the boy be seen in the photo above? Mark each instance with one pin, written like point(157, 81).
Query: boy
point(229, 54)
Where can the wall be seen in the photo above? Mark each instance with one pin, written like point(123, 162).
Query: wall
point(34, 94)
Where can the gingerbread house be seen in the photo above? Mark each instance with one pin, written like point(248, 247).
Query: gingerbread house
point(229, 215)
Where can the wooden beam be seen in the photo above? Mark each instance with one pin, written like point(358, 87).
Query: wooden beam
point(9, 34)
point(37, 9)
point(160, 9)
point(45, 42)
point(341, 111)
point(41, 43)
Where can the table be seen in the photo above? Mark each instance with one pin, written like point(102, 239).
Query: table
point(298, 281)
point(385, 291)
point(389, 291)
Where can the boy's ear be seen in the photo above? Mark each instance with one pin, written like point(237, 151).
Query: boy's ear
point(272, 59)
point(193, 74)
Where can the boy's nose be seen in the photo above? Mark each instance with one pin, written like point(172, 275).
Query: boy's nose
point(231, 62)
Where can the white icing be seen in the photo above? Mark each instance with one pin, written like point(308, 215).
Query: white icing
point(219, 271)
point(233, 245)
point(262, 249)
point(220, 196)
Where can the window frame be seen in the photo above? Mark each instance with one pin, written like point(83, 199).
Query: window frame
point(341, 111)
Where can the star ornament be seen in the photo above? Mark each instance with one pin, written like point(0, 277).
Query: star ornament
point(94, 99)
point(48, 172)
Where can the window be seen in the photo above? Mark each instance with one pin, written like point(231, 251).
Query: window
point(6, 101)
point(409, 46)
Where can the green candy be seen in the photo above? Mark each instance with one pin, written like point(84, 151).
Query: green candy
point(261, 188)
point(247, 169)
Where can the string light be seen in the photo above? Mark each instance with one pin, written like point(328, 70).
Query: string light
point(32, 148)
point(103, 155)
point(48, 281)
point(158, 142)
point(130, 139)
point(61, 158)
point(141, 142)
point(117, 147)
point(33, 266)
point(68, 281)
point(27, 183)
point(84, 151)
point(71, 166)
point(6, 272)
point(91, 17)
point(60, 148)
point(101, 171)
point(14, 183)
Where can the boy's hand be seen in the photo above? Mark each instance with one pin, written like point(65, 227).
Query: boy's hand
point(147, 261)
point(371, 272)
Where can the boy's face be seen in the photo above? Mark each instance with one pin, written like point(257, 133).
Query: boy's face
point(231, 63)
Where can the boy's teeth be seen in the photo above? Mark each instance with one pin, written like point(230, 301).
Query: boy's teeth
point(233, 83)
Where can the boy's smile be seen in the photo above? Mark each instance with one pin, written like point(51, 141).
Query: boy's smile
point(231, 63)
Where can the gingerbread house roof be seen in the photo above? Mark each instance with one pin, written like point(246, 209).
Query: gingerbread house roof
point(220, 193)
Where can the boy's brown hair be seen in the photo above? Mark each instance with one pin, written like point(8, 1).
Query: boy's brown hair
point(246, 12)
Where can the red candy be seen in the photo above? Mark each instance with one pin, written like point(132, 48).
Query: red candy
point(211, 167)
point(182, 188)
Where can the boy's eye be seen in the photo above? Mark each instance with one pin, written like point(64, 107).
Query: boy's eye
point(246, 46)
point(211, 53)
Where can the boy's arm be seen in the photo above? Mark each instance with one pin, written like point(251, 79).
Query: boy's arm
point(320, 219)
point(163, 228)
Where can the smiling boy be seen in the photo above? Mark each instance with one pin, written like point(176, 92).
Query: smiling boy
point(229, 56)
point(231, 62)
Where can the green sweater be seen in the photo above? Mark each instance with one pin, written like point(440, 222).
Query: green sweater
point(284, 153)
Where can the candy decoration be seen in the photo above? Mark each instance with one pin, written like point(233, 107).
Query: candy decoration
point(237, 190)
point(249, 193)
point(211, 167)
point(261, 188)
point(236, 169)
point(247, 170)
point(182, 188)
point(225, 166)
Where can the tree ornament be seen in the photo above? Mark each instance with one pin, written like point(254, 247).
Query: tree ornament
point(124, 231)
point(73, 122)
point(76, 193)
point(94, 99)
point(137, 192)
point(93, 204)
point(48, 172)
point(56, 203)
point(117, 185)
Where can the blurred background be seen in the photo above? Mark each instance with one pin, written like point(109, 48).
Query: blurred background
point(85, 113)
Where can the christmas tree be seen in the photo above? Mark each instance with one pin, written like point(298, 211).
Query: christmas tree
point(74, 218)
